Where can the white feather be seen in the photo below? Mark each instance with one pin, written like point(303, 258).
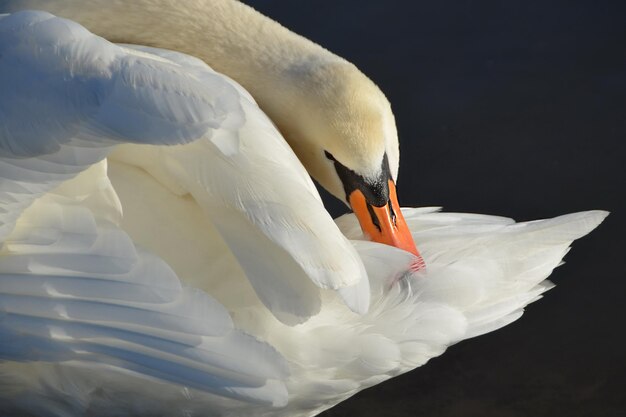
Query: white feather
point(195, 272)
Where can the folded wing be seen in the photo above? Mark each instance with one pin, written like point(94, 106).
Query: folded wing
point(69, 98)
point(73, 287)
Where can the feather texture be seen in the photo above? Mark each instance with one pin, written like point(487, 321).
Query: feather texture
point(165, 253)
point(100, 94)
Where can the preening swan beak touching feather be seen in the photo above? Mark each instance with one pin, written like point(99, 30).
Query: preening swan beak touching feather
point(385, 224)
point(164, 250)
point(375, 204)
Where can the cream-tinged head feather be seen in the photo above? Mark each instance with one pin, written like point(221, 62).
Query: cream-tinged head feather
point(344, 113)
point(320, 102)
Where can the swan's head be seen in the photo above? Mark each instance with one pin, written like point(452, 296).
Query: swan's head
point(344, 133)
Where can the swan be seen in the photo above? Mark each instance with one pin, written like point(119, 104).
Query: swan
point(165, 251)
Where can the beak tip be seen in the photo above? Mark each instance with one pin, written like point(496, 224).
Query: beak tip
point(418, 264)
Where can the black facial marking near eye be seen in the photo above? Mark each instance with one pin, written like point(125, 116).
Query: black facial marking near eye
point(376, 192)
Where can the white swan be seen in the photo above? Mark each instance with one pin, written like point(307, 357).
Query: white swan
point(91, 324)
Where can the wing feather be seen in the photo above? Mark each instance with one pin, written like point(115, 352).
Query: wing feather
point(73, 287)
point(90, 95)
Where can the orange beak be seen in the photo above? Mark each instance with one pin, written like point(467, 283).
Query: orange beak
point(385, 224)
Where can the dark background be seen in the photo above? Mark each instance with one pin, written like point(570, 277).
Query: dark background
point(513, 108)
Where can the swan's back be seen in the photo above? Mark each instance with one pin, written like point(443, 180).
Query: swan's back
point(468, 290)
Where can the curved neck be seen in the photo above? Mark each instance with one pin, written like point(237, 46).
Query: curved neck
point(319, 101)
point(234, 39)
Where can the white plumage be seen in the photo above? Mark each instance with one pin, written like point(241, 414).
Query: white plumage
point(164, 251)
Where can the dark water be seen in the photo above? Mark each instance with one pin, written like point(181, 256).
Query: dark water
point(515, 108)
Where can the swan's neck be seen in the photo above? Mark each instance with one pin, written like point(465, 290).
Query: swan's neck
point(231, 37)
point(234, 39)
point(318, 100)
